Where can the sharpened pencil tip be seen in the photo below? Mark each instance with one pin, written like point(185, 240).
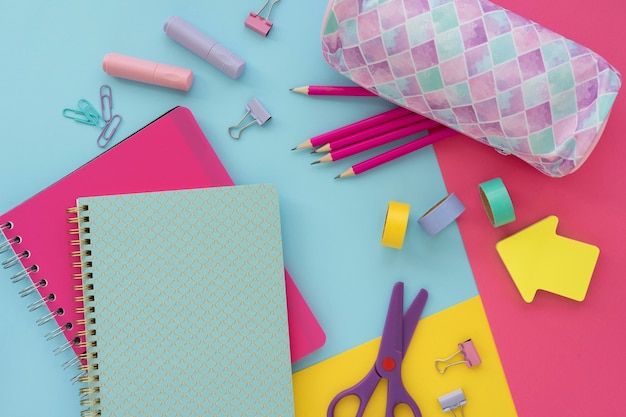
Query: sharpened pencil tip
point(300, 90)
point(303, 145)
point(338, 176)
point(315, 162)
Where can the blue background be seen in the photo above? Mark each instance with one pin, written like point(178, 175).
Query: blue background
point(51, 57)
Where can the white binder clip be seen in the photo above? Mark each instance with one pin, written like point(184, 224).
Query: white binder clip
point(259, 24)
point(256, 111)
point(452, 401)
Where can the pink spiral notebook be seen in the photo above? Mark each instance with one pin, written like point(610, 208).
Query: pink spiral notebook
point(171, 153)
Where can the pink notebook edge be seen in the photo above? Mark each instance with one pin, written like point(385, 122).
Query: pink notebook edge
point(305, 332)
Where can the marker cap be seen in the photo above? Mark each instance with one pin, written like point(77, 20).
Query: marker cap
point(201, 44)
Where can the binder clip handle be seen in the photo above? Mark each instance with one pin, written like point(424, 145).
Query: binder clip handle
point(257, 23)
point(255, 110)
point(469, 353)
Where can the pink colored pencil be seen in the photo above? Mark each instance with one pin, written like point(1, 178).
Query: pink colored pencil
point(328, 90)
point(382, 128)
point(397, 152)
point(379, 141)
point(353, 128)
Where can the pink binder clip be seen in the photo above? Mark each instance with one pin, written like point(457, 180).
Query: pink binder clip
point(469, 353)
point(258, 23)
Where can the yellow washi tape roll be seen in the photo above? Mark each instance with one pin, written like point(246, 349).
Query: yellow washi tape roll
point(396, 222)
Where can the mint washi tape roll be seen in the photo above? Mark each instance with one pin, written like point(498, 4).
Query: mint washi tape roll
point(497, 202)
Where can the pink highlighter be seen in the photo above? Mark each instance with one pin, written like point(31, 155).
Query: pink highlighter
point(131, 68)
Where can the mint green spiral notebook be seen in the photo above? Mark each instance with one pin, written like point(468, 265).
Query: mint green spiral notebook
point(185, 304)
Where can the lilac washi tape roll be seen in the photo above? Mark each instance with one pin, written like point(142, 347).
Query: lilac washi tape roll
point(441, 215)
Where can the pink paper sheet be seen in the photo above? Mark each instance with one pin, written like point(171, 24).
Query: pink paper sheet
point(170, 153)
point(561, 357)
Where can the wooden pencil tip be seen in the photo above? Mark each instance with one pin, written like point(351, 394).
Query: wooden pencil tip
point(347, 173)
point(300, 90)
point(323, 148)
point(303, 145)
point(315, 162)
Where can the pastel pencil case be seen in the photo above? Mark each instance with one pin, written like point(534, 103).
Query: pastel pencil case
point(480, 69)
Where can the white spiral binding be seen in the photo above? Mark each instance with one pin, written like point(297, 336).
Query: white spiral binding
point(33, 287)
point(9, 262)
point(18, 276)
point(26, 272)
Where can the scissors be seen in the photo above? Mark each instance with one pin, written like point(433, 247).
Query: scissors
point(397, 333)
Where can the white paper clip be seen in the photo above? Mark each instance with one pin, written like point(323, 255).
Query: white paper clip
point(452, 401)
point(258, 114)
point(259, 24)
point(469, 353)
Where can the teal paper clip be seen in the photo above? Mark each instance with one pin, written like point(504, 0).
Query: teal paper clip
point(86, 114)
point(90, 111)
point(109, 130)
point(76, 115)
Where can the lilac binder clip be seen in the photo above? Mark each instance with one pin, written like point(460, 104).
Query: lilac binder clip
point(469, 353)
point(259, 24)
point(452, 401)
point(255, 110)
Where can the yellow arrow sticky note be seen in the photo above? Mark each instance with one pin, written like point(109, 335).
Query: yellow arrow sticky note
point(539, 259)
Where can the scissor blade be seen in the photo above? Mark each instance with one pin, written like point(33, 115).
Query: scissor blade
point(412, 317)
point(391, 343)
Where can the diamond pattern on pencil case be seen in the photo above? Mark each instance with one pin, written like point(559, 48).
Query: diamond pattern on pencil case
point(480, 69)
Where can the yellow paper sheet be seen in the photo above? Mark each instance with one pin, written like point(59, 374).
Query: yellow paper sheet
point(437, 336)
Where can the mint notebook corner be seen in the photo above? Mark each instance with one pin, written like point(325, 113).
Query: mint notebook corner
point(185, 308)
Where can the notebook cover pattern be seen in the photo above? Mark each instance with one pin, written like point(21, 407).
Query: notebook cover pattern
point(186, 309)
point(170, 153)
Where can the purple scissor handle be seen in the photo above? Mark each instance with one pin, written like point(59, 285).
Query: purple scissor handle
point(397, 333)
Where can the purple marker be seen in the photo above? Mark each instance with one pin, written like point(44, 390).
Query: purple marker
point(204, 46)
